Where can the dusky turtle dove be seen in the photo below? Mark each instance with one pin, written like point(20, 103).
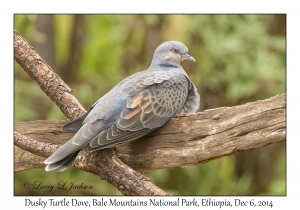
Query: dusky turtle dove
point(136, 106)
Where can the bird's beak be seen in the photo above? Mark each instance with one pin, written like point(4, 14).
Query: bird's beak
point(188, 57)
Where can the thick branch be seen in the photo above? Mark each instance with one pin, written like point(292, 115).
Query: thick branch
point(109, 167)
point(186, 140)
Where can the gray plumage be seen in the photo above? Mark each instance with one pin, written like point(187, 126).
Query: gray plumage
point(136, 106)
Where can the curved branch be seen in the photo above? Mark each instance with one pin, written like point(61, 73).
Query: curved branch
point(60, 93)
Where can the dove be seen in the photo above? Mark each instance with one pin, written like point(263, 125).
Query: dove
point(133, 108)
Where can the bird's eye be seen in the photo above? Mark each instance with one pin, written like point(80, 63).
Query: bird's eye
point(174, 50)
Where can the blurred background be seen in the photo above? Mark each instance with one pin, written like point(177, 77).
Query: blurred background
point(240, 58)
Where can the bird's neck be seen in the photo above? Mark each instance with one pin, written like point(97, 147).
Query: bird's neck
point(164, 64)
point(167, 65)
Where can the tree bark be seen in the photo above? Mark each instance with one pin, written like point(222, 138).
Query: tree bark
point(47, 79)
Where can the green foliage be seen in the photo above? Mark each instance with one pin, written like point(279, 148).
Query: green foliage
point(238, 60)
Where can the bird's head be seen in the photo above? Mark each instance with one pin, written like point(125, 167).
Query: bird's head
point(171, 52)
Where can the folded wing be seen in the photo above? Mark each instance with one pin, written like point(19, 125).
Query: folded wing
point(150, 105)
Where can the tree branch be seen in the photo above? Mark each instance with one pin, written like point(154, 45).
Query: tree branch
point(47, 79)
point(186, 140)
point(109, 167)
point(128, 181)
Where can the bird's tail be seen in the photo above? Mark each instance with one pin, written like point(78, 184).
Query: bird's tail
point(62, 158)
point(62, 164)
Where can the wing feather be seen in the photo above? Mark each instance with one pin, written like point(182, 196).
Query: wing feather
point(145, 110)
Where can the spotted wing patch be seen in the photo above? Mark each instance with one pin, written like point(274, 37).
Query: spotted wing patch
point(145, 111)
